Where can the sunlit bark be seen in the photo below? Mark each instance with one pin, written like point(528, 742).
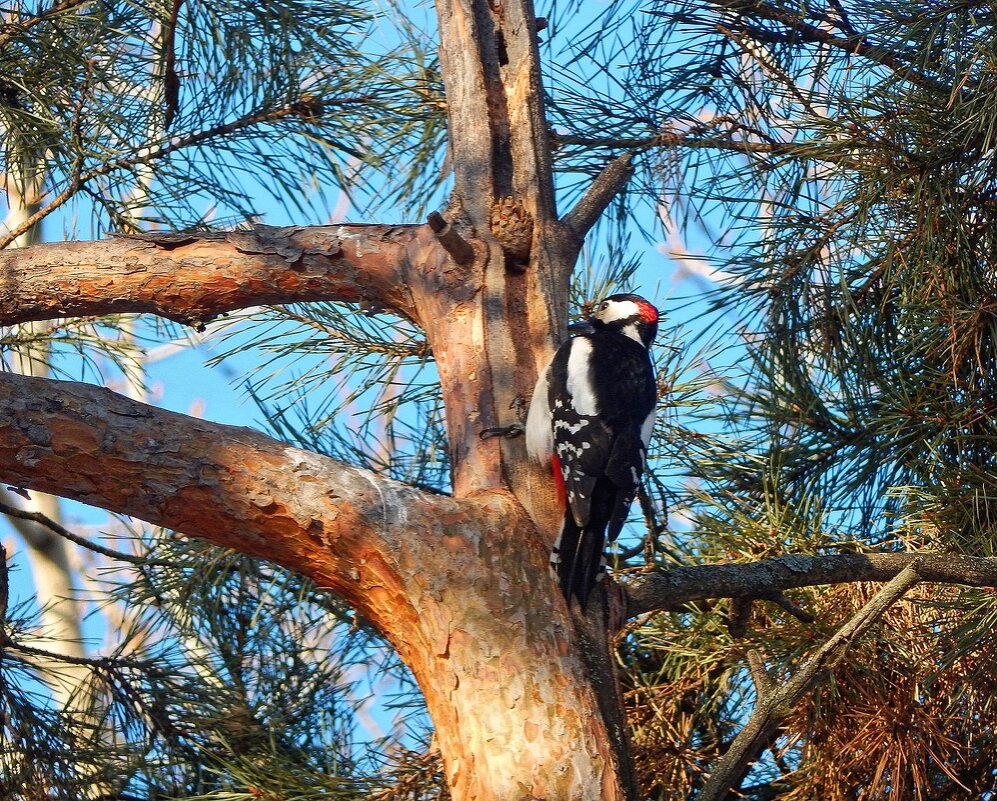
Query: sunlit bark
point(459, 585)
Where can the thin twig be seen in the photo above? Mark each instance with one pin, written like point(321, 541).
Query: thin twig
point(14, 29)
point(4, 597)
point(775, 705)
point(174, 144)
point(671, 138)
point(51, 525)
point(76, 170)
point(790, 606)
point(760, 677)
point(814, 35)
point(772, 69)
point(171, 81)
point(108, 663)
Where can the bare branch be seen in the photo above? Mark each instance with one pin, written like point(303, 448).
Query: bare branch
point(759, 675)
point(54, 527)
point(806, 32)
point(453, 243)
point(192, 278)
point(171, 80)
point(106, 663)
point(738, 614)
point(4, 592)
point(790, 606)
point(436, 575)
point(774, 706)
point(607, 185)
point(674, 138)
point(672, 590)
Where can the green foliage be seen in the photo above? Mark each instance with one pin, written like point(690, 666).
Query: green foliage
point(836, 158)
point(232, 679)
point(353, 384)
point(139, 118)
point(229, 679)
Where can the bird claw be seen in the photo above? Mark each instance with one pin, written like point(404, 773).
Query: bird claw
point(510, 432)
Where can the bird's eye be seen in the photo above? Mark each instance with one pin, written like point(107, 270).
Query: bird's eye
point(604, 305)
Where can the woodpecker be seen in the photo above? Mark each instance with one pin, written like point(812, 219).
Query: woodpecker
point(591, 417)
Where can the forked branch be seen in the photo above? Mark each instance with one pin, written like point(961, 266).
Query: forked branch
point(232, 486)
point(774, 703)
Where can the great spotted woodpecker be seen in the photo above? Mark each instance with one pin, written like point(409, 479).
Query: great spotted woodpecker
point(591, 416)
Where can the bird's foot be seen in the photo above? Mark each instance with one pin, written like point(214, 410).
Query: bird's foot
point(510, 432)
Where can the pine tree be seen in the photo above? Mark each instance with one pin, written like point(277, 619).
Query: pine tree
point(825, 429)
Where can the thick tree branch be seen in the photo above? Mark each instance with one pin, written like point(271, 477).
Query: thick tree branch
point(232, 486)
point(774, 705)
point(673, 589)
point(193, 278)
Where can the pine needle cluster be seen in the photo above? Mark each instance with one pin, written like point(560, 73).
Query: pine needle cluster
point(838, 156)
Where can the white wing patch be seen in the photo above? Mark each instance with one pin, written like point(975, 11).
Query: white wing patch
point(579, 382)
point(646, 428)
point(539, 431)
point(571, 428)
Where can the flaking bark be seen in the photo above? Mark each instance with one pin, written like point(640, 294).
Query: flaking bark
point(193, 278)
point(460, 587)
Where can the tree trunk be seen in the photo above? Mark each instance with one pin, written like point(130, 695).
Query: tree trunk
point(460, 586)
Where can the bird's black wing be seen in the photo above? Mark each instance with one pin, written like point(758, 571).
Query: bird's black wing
point(582, 440)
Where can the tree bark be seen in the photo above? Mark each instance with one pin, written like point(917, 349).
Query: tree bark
point(459, 586)
point(673, 590)
point(193, 278)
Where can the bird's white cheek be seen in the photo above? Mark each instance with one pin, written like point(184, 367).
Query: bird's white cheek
point(632, 332)
point(619, 310)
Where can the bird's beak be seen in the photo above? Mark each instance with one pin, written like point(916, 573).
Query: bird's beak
point(581, 327)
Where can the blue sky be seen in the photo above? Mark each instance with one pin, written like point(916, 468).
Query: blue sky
point(181, 382)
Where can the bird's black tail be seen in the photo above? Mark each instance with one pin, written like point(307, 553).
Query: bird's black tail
point(577, 555)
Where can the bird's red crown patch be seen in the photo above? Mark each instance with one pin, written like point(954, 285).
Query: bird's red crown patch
point(648, 313)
